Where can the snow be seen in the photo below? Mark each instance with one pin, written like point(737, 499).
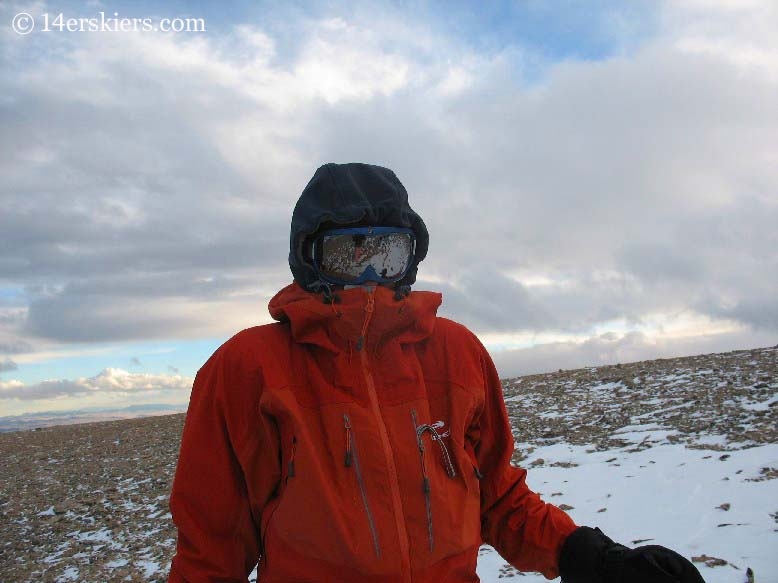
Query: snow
point(70, 574)
point(670, 495)
point(761, 405)
point(149, 567)
point(98, 536)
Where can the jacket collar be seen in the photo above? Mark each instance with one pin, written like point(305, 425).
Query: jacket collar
point(339, 326)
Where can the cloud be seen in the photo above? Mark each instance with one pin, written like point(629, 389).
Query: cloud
point(110, 380)
point(611, 348)
point(150, 179)
point(761, 312)
point(14, 347)
point(68, 318)
point(486, 299)
point(7, 364)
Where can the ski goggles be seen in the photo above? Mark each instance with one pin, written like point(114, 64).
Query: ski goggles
point(353, 256)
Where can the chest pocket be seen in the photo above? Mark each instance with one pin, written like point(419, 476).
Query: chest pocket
point(450, 489)
point(325, 510)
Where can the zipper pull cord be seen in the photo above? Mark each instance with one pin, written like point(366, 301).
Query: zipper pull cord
point(436, 438)
point(349, 459)
point(419, 430)
point(426, 484)
point(369, 308)
point(452, 473)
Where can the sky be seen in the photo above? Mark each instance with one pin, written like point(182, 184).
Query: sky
point(599, 179)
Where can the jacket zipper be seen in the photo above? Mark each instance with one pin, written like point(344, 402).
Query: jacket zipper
point(352, 460)
point(399, 516)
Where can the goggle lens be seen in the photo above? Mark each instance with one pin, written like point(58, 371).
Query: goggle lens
point(348, 256)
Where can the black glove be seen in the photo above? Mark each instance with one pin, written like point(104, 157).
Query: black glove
point(588, 556)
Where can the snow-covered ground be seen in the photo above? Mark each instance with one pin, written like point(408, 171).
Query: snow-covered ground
point(690, 500)
point(679, 452)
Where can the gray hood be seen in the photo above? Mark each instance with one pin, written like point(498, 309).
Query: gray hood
point(344, 194)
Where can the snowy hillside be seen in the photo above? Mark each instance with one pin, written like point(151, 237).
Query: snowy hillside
point(680, 452)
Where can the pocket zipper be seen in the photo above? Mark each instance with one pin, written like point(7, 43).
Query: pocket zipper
point(352, 460)
point(419, 430)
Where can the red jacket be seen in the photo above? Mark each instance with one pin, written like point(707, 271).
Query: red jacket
point(356, 442)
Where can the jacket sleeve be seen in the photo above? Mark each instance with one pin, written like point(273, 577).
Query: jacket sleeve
point(214, 506)
point(527, 532)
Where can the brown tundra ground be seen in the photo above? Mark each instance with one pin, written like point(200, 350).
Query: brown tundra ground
point(90, 502)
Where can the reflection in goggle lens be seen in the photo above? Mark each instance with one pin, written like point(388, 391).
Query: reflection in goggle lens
point(348, 256)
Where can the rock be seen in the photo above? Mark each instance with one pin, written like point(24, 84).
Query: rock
point(710, 561)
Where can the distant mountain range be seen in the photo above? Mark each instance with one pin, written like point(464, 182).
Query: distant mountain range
point(29, 421)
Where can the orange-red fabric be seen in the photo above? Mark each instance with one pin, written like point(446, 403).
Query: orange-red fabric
point(300, 450)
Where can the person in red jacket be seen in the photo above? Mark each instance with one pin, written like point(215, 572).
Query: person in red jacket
point(361, 438)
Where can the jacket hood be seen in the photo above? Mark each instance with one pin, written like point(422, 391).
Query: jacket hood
point(338, 326)
point(345, 194)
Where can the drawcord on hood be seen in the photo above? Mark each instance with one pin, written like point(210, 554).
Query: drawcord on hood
point(401, 292)
point(325, 288)
point(328, 296)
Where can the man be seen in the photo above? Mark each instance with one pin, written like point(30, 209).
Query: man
point(361, 438)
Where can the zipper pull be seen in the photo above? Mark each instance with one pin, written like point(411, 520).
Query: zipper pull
point(349, 459)
point(369, 309)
